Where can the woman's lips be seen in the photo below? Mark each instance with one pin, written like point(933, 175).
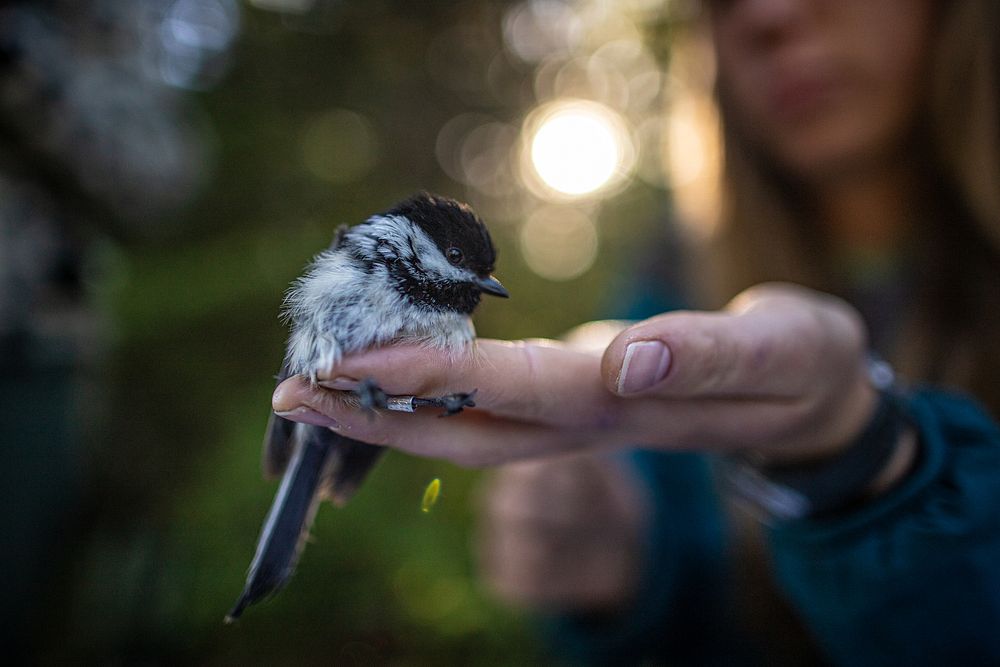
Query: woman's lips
point(799, 95)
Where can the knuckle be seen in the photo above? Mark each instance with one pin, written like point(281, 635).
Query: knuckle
point(717, 359)
point(530, 402)
point(522, 398)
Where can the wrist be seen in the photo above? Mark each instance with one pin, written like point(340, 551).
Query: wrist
point(874, 461)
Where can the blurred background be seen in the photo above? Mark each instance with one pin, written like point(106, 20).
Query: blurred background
point(166, 168)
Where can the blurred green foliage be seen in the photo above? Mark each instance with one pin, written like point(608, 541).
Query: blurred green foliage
point(174, 495)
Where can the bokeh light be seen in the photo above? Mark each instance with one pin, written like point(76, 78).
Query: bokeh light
point(191, 46)
point(485, 158)
point(537, 29)
point(559, 242)
point(578, 148)
point(450, 140)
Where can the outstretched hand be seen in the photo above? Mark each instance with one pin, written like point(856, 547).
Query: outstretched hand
point(781, 370)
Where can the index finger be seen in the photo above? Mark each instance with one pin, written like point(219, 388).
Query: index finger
point(537, 380)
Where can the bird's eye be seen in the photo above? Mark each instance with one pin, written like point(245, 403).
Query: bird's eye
point(454, 255)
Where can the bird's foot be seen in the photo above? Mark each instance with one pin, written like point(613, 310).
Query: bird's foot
point(370, 396)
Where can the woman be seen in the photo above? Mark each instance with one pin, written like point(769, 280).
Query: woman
point(862, 169)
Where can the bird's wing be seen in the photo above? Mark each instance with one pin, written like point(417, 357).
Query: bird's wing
point(277, 439)
point(277, 445)
point(355, 461)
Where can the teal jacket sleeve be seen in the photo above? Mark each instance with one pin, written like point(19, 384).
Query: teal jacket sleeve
point(913, 579)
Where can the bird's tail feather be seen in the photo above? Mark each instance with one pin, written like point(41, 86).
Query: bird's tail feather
point(291, 515)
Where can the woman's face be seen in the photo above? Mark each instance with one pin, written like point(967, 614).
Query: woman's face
point(827, 87)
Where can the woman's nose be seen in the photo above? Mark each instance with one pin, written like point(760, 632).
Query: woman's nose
point(768, 19)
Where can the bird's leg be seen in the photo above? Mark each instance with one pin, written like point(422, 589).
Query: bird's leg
point(452, 403)
point(370, 396)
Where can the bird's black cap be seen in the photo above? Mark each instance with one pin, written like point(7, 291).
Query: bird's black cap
point(451, 224)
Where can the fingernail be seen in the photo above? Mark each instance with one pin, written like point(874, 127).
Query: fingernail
point(341, 383)
point(279, 397)
point(306, 415)
point(646, 364)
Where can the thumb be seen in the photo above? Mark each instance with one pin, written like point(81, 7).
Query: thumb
point(712, 354)
point(642, 357)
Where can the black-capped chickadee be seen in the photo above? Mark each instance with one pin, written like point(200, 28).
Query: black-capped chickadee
point(414, 273)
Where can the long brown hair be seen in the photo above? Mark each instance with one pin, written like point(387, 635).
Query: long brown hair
point(950, 327)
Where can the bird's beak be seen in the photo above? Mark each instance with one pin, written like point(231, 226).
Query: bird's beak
point(491, 285)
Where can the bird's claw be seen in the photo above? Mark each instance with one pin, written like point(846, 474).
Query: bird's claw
point(455, 403)
point(370, 396)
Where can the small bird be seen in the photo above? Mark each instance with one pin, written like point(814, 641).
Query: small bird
point(414, 273)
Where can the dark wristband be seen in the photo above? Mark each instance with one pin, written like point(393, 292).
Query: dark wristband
point(824, 487)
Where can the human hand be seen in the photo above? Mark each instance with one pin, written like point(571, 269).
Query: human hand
point(781, 370)
point(563, 534)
